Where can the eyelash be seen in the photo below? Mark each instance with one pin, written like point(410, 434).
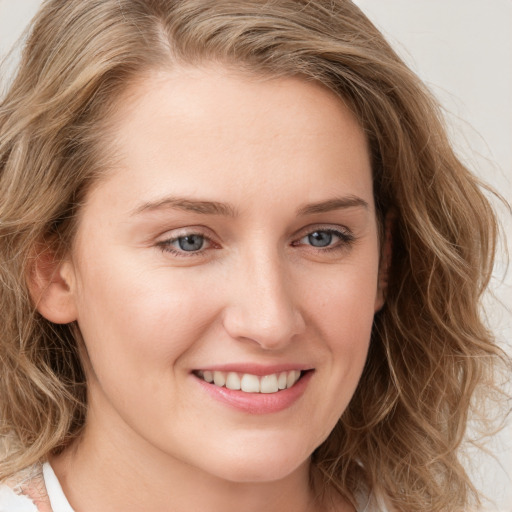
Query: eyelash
point(166, 245)
point(346, 240)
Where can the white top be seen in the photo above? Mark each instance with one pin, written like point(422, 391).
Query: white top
point(27, 492)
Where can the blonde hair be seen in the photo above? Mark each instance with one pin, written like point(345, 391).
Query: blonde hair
point(429, 351)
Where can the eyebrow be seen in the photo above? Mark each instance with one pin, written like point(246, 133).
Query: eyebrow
point(337, 203)
point(189, 205)
point(228, 210)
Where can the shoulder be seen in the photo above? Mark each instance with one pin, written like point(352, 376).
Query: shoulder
point(25, 492)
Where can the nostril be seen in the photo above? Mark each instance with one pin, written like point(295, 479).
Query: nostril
point(270, 328)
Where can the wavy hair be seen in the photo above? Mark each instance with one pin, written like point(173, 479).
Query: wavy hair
point(430, 352)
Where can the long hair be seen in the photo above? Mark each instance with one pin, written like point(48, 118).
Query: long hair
point(430, 352)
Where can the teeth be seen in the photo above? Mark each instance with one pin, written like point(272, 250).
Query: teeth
point(219, 378)
point(251, 383)
point(269, 384)
point(282, 380)
point(292, 378)
point(233, 381)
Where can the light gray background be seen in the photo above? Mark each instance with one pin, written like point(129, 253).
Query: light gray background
point(463, 50)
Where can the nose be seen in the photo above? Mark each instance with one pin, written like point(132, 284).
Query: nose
point(262, 307)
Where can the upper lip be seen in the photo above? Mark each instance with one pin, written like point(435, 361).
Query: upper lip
point(255, 369)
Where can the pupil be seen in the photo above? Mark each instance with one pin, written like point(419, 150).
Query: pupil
point(191, 242)
point(320, 239)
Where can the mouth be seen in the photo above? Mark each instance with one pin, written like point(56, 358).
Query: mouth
point(253, 389)
point(250, 383)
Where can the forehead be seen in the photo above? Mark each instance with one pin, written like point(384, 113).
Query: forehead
point(217, 129)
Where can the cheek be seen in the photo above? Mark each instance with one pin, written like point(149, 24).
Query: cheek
point(342, 304)
point(141, 320)
point(342, 311)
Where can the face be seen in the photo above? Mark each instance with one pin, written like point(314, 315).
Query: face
point(236, 240)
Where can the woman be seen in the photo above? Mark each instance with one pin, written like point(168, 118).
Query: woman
point(241, 266)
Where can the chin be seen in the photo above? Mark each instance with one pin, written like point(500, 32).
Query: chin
point(242, 472)
point(259, 463)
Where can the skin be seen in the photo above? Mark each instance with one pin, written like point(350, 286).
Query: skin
point(257, 292)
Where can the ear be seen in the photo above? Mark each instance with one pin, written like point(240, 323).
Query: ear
point(51, 282)
point(385, 261)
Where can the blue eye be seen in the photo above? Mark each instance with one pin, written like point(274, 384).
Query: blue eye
point(327, 239)
point(189, 243)
point(186, 245)
point(320, 238)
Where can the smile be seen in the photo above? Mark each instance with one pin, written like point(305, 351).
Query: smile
point(250, 383)
point(254, 389)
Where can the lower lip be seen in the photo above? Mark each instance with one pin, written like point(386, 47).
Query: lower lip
point(258, 403)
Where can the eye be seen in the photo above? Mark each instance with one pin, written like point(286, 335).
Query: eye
point(327, 239)
point(188, 244)
point(319, 238)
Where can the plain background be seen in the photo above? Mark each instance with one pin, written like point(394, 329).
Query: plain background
point(462, 49)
